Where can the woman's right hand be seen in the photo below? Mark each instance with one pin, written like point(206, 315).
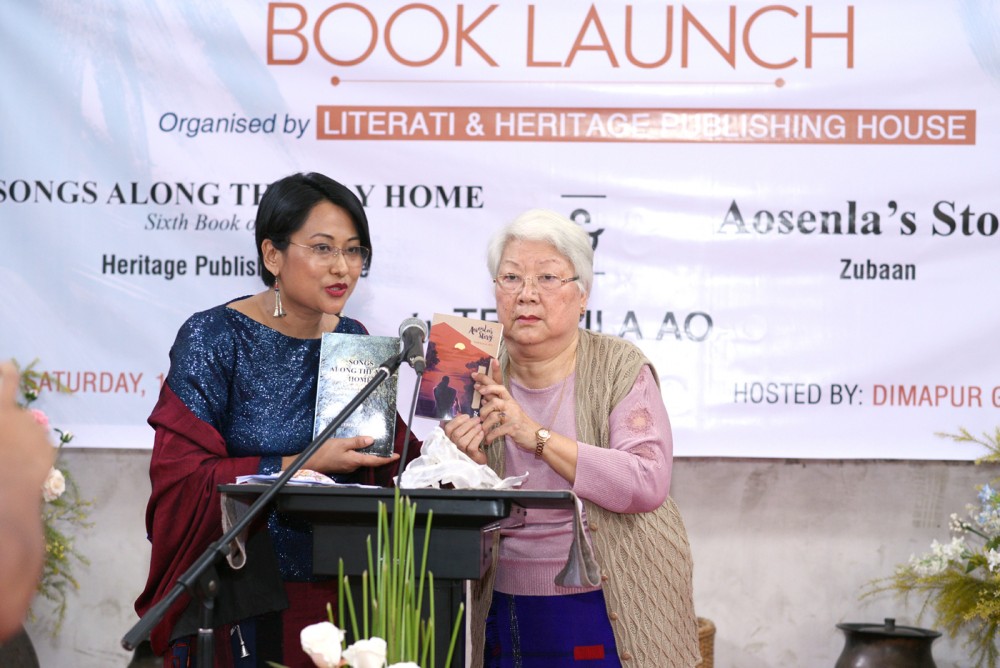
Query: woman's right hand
point(468, 435)
point(340, 455)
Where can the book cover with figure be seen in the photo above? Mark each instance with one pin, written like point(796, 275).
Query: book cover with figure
point(346, 363)
point(456, 347)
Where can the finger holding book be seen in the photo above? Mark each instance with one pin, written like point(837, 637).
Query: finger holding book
point(468, 435)
point(340, 455)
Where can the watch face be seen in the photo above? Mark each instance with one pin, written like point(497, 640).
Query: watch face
point(542, 434)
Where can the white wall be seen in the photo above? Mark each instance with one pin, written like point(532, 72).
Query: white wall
point(782, 549)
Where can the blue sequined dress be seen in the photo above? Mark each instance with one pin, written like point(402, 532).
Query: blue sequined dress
point(239, 396)
point(257, 387)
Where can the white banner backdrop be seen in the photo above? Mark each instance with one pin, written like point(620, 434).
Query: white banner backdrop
point(794, 207)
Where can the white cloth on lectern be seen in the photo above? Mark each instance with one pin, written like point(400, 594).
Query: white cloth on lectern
point(442, 463)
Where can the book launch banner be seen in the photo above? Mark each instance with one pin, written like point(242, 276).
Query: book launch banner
point(794, 206)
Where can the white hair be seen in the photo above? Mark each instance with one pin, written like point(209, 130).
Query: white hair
point(567, 237)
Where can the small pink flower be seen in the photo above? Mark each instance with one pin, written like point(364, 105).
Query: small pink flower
point(40, 417)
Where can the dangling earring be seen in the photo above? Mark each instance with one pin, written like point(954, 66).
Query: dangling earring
point(279, 310)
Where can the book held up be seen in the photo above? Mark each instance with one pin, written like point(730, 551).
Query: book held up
point(347, 362)
point(456, 347)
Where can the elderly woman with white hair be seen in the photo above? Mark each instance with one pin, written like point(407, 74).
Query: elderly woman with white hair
point(578, 411)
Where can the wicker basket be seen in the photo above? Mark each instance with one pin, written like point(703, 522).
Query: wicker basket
point(706, 642)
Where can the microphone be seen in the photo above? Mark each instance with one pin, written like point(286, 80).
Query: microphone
point(412, 332)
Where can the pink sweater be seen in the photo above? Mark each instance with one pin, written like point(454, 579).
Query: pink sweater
point(630, 476)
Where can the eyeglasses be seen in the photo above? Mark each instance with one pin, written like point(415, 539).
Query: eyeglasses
point(328, 254)
point(513, 283)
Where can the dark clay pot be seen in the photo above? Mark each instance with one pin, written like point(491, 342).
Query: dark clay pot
point(886, 646)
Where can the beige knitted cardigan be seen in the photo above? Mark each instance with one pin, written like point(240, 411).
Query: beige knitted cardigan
point(645, 559)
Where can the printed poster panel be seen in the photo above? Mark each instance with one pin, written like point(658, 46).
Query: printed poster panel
point(794, 216)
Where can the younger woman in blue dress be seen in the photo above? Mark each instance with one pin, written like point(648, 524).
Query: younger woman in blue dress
point(240, 399)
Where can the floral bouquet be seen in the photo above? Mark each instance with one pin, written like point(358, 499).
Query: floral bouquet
point(960, 580)
point(324, 643)
point(63, 512)
point(393, 629)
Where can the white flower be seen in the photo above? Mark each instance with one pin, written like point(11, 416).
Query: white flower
point(368, 653)
point(927, 565)
point(322, 642)
point(405, 664)
point(54, 485)
point(952, 551)
point(939, 558)
point(993, 560)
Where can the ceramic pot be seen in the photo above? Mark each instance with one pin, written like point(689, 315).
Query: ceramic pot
point(886, 646)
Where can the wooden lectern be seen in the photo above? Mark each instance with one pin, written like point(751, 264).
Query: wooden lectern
point(460, 545)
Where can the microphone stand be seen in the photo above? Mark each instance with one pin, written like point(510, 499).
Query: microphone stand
point(201, 579)
point(406, 439)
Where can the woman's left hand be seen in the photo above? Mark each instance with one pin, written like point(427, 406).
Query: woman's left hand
point(501, 415)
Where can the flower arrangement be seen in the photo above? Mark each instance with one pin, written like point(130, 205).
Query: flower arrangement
point(393, 630)
point(63, 512)
point(960, 580)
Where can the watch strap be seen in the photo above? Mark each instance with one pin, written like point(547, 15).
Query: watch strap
point(541, 438)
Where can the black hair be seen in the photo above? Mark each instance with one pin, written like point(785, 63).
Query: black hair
point(286, 205)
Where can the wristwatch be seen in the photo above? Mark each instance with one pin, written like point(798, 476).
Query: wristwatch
point(542, 437)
